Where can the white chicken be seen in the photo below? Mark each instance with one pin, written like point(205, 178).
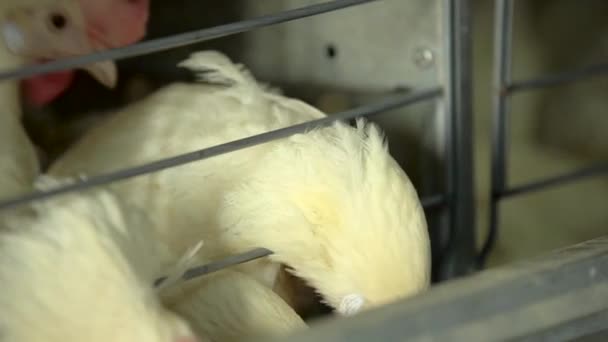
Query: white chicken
point(93, 243)
point(108, 24)
point(60, 256)
point(332, 204)
point(35, 30)
point(75, 270)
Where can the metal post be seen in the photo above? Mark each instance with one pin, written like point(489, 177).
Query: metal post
point(459, 256)
point(503, 32)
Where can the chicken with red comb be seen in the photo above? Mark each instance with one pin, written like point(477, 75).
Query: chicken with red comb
point(40, 30)
point(109, 24)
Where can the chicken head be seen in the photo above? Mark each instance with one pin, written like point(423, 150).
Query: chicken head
point(62, 28)
point(50, 31)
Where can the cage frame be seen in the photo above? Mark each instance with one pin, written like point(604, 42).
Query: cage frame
point(456, 202)
point(570, 279)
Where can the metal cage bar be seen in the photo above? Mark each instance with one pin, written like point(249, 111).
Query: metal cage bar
point(574, 176)
point(390, 102)
point(460, 253)
point(458, 258)
point(503, 32)
point(183, 39)
point(564, 285)
point(504, 87)
point(559, 78)
point(454, 117)
point(456, 88)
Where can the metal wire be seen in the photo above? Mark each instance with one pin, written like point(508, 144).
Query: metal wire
point(503, 36)
point(389, 103)
point(430, 202)
point(458, 150)
point(161, 44)
point(183, 39)
point(559, 78)
point(459, 255)
point(591, 171)
point(504, 87)
point(215, 266)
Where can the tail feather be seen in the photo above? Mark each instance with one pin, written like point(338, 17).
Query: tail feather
point(214, 67)
point(183, 264)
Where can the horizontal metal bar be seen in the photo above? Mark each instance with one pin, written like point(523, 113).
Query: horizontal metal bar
point(226, 262)
point(432, 202)
point(215, 266)
point(509, 303)
point(559, 78)
point(183, 39)
point(233, 260)
point(389, 103)
point(554, 181)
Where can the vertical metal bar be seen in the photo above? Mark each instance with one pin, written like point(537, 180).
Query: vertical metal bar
point(503, 36)
point(459, 257)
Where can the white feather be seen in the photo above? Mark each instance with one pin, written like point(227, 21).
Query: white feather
point(332, 204)
point(80, 268)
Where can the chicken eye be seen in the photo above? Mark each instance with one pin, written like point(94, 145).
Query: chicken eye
point(58, 21)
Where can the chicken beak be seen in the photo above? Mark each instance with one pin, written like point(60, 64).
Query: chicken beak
point(37, 43)
point(104, 72)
